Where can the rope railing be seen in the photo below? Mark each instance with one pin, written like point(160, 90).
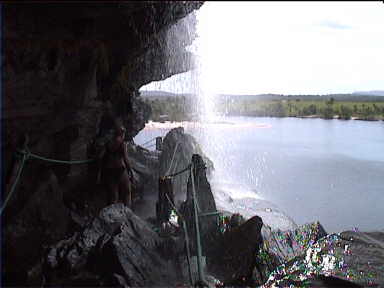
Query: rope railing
point(201, 277)
point(31, 155)
point(149, 141)
point(149, 146)
point(26, 154)
point(14, 184)
point(192, 168)
point(185, 236)
point(173, 158)
point(178, 172)
point(181, 171)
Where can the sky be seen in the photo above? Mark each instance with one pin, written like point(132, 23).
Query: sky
point(285, 48)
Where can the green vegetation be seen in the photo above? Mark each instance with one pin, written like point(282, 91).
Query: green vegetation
point(328, 109)
point(346, 107)
point(169, 108)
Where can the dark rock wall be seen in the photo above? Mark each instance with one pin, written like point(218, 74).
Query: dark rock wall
point(63, 61)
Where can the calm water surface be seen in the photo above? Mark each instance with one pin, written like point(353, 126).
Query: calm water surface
point(313, 169)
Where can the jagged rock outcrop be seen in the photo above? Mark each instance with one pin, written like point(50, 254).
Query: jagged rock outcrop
point(347, 259)
point(252, 254)
point(280, 247)
point(116, 246)
point(236, 252)
point(291, 243)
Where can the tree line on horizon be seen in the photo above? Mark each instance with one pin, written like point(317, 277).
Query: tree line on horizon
point(179, 108)
point(325, 109)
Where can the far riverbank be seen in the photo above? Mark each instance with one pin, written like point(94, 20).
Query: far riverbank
point(183, 108)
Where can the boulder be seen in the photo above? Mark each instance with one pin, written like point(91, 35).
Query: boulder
point(248, 253)
point(178, 148)
point(117, 247)
point(347, 259)
point(236, 253)
point(280, 247)
point(285, 245)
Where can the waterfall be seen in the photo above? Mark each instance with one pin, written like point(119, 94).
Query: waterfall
point(199, 84)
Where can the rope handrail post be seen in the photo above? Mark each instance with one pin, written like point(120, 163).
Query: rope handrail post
point(186, 238)
point(193, 172)
point(188, 251)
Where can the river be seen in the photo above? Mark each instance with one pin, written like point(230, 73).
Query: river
point(312, 169)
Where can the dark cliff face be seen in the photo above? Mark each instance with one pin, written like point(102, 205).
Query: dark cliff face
point(63, 61)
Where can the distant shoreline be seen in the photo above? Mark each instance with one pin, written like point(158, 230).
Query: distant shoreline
point(336, 117)
point(301, 117)
point(365, 108)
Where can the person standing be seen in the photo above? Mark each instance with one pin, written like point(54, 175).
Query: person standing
point(116, 168)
